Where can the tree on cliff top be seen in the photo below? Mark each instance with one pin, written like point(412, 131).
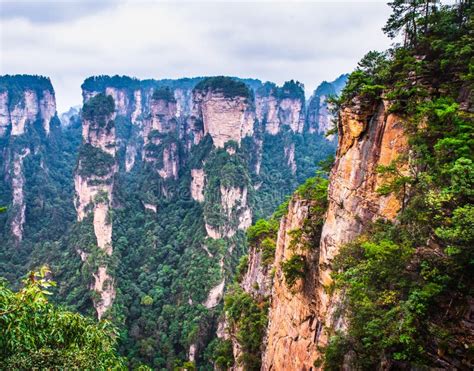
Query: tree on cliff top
point(229, 86)
point(37, 334)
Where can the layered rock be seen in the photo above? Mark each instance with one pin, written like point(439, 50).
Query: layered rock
point(25, 102)
point(275, 109)
point(94, 183)
point(18, 202)
point(197, 184)
point(369, 136)
point(292, 325)
point(225, 118)
point(160, 132)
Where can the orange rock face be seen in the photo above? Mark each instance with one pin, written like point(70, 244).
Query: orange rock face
point(368, 138)
point(292, 317)
point(300, 319)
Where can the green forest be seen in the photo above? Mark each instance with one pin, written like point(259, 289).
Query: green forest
point(406, 285)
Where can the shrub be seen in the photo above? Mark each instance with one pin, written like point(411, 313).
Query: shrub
point(293, 269)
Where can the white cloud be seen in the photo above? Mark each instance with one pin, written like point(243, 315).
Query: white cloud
point(308, 41)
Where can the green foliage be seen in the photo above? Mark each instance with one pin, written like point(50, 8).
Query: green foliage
point(98, 109)
point(16, 85)
point(163, 93)
point(249, 317)
point(228, 86)
point(241, 268)
point(368, 78)
point(261, 229)
point(291, 89)
point(293, 269)
point(402, 281)
point(94, 161)
point(35, 333)
point(146, 300)
point(221, 353)
point(315, 189)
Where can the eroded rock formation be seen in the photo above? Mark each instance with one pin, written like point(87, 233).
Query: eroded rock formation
point(94, 183)
point(292, 326)
point(369, 136)
point(25, 102)
point(224, 118)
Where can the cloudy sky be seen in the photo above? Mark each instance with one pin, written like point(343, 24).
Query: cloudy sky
point(69, 40)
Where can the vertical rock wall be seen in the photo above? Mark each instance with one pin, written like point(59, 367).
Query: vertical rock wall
point(94, 192)
point(24, 101)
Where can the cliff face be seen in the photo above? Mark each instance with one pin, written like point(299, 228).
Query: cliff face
point(301, 317)
point(368, 137)
point(94, 183)
point(292, 326)
point(27, 106)
point(160, 132)
point(276, 112)
point(224, 118)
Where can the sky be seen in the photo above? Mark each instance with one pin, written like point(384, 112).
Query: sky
point(69, 40)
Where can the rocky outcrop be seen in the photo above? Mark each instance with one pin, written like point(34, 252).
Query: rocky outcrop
point(67, 118)
point(302, 317)
point(197, 184)
point(290, 157)
point(224, 118)
point(369, 136)
point(120, 96)
point(25, 102)
point(235, 208)
point(18, 183)
point(32, 105)
point(160, 132)
point(94, 182)
point(275, 112)
point(292, 324)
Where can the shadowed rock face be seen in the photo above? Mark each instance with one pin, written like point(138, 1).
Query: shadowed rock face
point(319, 117)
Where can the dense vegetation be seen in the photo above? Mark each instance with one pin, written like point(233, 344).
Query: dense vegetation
point(163, 93)
point(291, 89)
point(17, 84)
point(158, 310)
point(228, 86)
point(37, 334)
point(407, 284)
point(98, 109)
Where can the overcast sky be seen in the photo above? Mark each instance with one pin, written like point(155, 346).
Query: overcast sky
point(69, 40)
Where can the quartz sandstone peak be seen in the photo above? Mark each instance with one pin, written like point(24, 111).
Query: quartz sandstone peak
point(33, 101)
point(225, 118)
point(94, 195)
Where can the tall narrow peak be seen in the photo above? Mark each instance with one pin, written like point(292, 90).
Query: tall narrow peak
point(280, 107)
point(94, 183)
point(319, 118)
point(27, 108)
